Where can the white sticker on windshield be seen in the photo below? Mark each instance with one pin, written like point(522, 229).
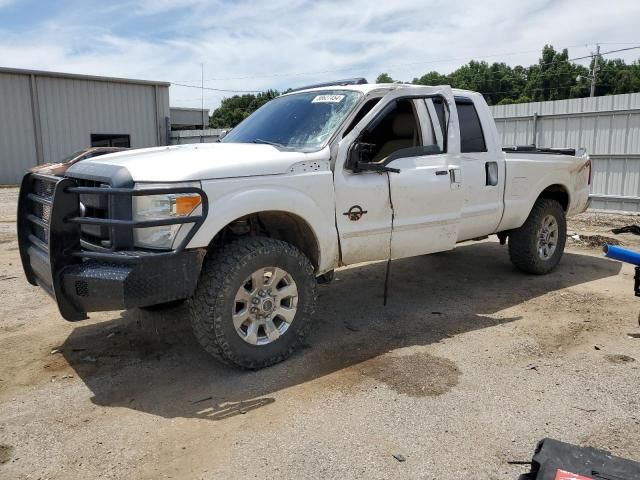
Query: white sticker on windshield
point(328, 99)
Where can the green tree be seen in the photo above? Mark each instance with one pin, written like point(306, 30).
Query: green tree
point(431, 78)
point(615, 77)
point(384, 78)
point(553, 77)
point(234, 109)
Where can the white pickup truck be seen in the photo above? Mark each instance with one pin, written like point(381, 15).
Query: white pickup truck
point(318, 178)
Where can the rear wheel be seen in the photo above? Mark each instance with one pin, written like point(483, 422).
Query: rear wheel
point(538, 245)
point(254, 301)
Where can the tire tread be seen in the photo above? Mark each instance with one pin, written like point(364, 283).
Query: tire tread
point(522, 246)
point(215, 285)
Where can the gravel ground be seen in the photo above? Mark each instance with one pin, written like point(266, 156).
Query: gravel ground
point(469, 365)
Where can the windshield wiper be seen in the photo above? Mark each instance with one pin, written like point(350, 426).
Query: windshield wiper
point(267, 142)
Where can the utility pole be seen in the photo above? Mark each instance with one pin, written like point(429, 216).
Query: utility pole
point(594, 72)
point(202, 101)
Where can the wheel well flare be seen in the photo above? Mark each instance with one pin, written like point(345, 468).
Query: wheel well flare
point(276, 224)
point(558, 193)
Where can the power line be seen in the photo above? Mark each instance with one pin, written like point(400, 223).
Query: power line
point(346, 68)
point(617, 43)
point(350, 68)
point(214, 89)
point(605, 53)
point(510, 77)
point(483, 75)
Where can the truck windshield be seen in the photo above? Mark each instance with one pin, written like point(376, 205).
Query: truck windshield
point(301, 121)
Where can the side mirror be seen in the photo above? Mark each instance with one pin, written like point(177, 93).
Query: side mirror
point(360, 153)
point(360, 156)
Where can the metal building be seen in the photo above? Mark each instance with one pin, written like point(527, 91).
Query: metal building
point(190, 125)
point(46, 116)
point(608, 127)
point(189, 118)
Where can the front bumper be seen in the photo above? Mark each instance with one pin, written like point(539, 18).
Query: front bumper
point(84, 280)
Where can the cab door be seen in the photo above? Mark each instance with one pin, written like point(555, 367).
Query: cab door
point(423, 199)
point(427, 194)
point(483, 168)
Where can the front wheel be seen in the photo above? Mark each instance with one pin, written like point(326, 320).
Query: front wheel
point(537, 246)
point(253, 304)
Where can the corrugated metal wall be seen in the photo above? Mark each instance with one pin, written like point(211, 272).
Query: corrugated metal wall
point(67, 111)
point(189, 116)
point(181, 137)
point(17, 136)
point(608, 127)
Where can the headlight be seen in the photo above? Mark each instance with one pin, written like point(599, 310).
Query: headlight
point(160, 207)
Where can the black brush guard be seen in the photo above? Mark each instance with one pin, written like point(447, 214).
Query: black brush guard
point(118, 277)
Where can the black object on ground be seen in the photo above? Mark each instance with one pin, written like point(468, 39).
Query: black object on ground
point(555, 460)
point(635, 229)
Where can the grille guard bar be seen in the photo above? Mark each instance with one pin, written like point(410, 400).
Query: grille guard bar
point(44, 259)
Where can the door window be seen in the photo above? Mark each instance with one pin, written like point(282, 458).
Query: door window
point(366, 108)
point(471, 134)
point(397, 129)
point(438, 105)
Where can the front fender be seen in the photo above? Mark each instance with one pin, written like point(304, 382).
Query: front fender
point(243, 200)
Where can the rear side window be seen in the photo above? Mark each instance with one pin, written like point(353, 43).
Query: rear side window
point(471, 135)
point(439, 107)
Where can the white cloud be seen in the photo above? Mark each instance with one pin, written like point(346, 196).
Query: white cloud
point(263, 44)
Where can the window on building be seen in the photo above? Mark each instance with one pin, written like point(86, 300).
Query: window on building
point(471, 135)
point(110, 140)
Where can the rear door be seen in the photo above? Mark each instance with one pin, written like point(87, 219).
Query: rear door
point(483, 170)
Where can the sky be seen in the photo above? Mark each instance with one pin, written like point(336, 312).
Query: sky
point(256, 45)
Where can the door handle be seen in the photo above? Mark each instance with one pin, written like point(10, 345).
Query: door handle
point(442, 172)
point(455, 176)
point(491, 172)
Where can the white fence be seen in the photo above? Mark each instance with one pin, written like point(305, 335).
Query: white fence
point(211, 135)
point(608, 127)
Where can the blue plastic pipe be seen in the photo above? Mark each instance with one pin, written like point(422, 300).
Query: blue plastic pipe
point(621, 254)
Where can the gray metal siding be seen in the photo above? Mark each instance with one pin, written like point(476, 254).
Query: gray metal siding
point(163, 121)
point(608, 127)
point(68, 111)
point(17, 137)
point(189, 116)
point(72, 110)
point(210, 135)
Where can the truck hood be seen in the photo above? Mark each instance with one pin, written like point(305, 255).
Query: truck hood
point(202, 161)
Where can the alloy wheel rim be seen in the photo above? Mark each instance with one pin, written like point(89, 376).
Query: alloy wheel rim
point(265, 306)
point(548, 237)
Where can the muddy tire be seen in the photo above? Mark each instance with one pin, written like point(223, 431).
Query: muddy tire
point(537, 246)
point(253, 304)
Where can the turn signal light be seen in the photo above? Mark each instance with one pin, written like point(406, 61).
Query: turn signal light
point(185, 204)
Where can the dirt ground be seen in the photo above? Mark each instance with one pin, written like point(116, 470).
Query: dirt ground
point(469, 365)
